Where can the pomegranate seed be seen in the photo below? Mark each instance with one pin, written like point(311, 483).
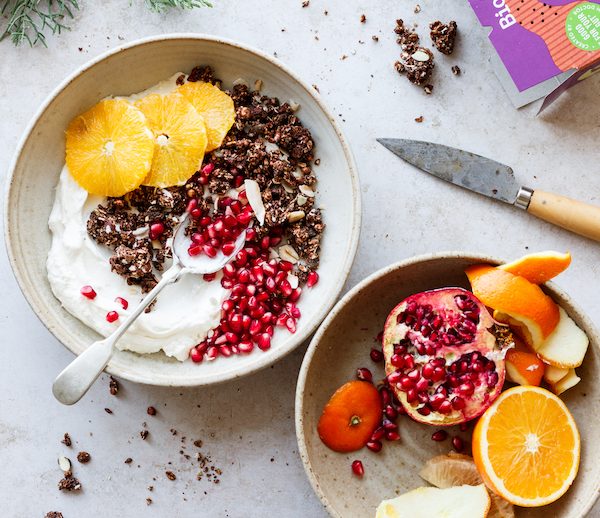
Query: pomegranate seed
point(263, 341)
point(392, 436)
point(290, 323)
point(378, 434)
point(376, 355)
point(88, 292)
point(312, 279)
point(192, 204)
point(398, 361)
point(112, 316)
point(463, 427)
point(246, 347)
point(225, 350)
point(424, 410)
point(195, 213)
point(212, 352)
point(391, 412)
point(195, 355)
point(156, 230)
point(388, 425)
point(123, 302)
point(209, 250)
point(398, 377)
point(228, 247)
point(458, 444)
point(374, 446)
point(386, 397)
point(236, 322)
point(208, 169)
point(232, 338)
point(440, 435)
point(295, 295)
point(358, 468)
point(286, 266)
point(364, 374)
point(244, 218)
point(209, 277)
point(195, 250)
point(445, 407)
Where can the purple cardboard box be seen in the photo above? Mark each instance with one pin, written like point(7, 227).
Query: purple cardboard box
point(543, 48)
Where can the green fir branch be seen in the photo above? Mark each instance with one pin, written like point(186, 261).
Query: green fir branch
point(163, 5)
point(28, 19)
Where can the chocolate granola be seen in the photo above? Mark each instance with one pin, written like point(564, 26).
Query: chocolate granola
point(268, 144)
point(443, 36)
point(415, 61)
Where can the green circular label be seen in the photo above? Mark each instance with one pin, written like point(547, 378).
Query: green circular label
point(583, 26)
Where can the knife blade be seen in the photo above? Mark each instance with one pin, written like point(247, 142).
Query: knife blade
point(495, 180)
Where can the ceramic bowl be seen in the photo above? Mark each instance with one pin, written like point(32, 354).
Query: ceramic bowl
point(132, 68)
point(342, 344)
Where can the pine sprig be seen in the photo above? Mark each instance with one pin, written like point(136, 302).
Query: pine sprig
point(28, 19)
point(162, 5)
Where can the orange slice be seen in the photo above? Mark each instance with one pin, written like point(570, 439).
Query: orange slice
point(540, 267)
point(350, 417)
point(516, 301)
point(524, 368)
point(109, 148)
point(526, 447)
point(179, 138)
point(214, 105)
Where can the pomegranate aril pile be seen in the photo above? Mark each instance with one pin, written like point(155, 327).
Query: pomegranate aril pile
point(438, 354)
point(219, 231)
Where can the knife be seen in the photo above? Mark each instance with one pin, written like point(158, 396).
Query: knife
point(490, 178)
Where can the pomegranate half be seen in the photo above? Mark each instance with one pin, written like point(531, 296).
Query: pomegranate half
point(442, 358)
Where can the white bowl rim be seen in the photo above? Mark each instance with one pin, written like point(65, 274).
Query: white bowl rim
point(346, 299)
point(278, 353)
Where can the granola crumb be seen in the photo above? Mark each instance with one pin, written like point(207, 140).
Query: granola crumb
point(144, 434)
point(306, 3)
point(325, 13)
point(53, 514)
point(113, 386)
point(128, 460)
point(456, 70)
point(84, 457)
point(417, 9)
point(69, 483)
point(428, 89)
point(419, 119)
point(170, 475)
point(151, 410)
point(148, 501)
point(66, 439)
point(443, 36)
point(108, 410)
point(316, 88)
point(363, 18)
point(375, 38)
point(150, 488)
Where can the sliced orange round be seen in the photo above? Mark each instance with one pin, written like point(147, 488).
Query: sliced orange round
point(516, 301)
point(109, 148)
point(350, 417)
point(179, 138)
point(526, 447)
point(539, 267)
point(214, 105)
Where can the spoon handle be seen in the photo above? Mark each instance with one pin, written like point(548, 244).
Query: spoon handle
point(75, 380)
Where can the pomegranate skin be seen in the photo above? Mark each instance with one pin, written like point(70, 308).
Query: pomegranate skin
point(452, 366)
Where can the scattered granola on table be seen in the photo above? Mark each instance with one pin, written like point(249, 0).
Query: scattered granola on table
point(53, 514)
point(456, 70)
point(113, 386)
point(66, 439)
point(443, 36)
point(84, 457)
point(415, 61)
point(69, 483)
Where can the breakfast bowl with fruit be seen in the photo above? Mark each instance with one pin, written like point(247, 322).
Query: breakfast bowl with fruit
point(198, 135)
point(455, 385)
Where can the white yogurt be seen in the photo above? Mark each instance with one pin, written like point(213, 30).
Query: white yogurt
point(184, 312)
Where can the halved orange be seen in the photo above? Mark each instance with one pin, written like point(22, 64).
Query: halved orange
point(179, 135)
point(516, 301)
point(526, 447)
point(214, 105)
point(109, 148)
point(350, 417)
point(539, 267)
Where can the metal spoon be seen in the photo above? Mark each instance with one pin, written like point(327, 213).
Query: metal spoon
point(75, 380)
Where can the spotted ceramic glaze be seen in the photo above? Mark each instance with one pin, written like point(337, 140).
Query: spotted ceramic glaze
point(132, 68)
point(342, 344)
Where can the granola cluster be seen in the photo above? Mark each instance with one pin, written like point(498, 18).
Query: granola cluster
point(416, 61)
point(443, 36)
point(268, 144)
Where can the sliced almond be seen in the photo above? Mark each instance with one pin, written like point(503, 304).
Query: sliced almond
point(294, 106)
point(420, 55)
point(258, 84)
point(297, 174)
point(240, 81)
point(301, 200)
point(307, 191)
point(64, 463)
point(287, 187)
point(296, 215)
point(255, 200)
point(288, 253)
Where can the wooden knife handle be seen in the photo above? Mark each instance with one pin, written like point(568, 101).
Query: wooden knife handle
point(567, 213)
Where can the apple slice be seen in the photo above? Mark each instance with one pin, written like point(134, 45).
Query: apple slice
point(552, 374)
point(567, 344)
point(569, 381)
point(427, 502)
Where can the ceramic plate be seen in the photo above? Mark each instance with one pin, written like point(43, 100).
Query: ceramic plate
point(132, 68)
point(342, 344)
